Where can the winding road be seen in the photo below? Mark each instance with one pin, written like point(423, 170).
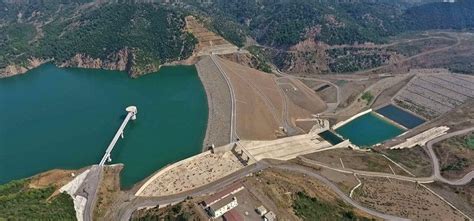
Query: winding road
point(458, 42)
point(437, 173)
point(126, 209)
point(338, 90)
point(436, 176)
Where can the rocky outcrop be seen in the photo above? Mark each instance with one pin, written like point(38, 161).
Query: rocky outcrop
point(136, 71)
point(14, 69)
point(123, 60)
point(119, 61)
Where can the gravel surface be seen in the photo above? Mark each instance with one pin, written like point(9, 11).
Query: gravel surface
point(193, 174)
point(434, 94)
point(218, 98)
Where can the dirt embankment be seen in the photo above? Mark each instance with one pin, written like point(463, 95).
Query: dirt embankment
point(415, 159)
point(366, 161)
point(405, 199)
point(56, 178)
point(257, 99)
point(265, 104)
point(109, 191)
point(462, 197)
point(277, 188)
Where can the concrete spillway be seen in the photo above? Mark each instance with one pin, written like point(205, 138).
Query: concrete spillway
point(132, 114)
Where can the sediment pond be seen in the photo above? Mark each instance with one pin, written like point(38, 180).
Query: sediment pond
point(400, 116)
point(369, 129)
point(65, 118)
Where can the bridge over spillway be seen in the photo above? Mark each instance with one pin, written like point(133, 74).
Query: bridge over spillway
point(132, 115)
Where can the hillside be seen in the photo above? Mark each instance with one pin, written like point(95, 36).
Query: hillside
point(18, 201)
point(297, 36)
point(319, 37)
point(440, 15)
point(285, 24)
point(136, 38)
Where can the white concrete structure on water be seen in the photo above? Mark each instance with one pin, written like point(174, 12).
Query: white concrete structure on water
point(132, 114)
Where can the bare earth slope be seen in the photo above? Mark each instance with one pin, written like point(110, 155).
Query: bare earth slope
point(263, 105)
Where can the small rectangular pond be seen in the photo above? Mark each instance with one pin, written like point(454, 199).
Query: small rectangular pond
point(330, 137)
point(369, 129)
point(400, 116)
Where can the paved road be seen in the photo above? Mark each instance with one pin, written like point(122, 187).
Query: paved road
point(312, 174)
point(436, 176)
point(369, 173)
point(285, 115)
point(89, 190)
point(437, 173)
point(368, 71)
point(127, 208)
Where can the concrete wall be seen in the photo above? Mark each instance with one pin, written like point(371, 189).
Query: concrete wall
point(342, 123)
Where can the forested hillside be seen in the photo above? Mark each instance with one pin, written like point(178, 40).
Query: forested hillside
point(137, 37)
point(286, 23)
point(459, 15)
point(20, 202)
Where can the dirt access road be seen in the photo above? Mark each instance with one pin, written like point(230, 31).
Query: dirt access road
point(458, 42)
point(436, 176)
point(437, 173)
point(128, 207)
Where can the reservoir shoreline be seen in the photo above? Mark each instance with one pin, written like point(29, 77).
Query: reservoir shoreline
point(83, 107)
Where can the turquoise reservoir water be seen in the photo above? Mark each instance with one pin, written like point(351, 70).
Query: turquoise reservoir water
point(65, 118)
point(368, 129)
point(400, 116)
point(330, 137)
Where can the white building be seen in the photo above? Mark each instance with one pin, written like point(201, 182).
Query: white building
point(270, 216)
point(261, 210)
point(222, 206)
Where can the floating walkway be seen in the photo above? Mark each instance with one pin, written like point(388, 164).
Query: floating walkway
point(132, 114)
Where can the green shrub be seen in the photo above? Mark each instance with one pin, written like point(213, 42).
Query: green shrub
point(367, 96)
point(19, 202)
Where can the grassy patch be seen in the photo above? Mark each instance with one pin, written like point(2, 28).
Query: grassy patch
point(458, 165)
point(262, 61)
point(180, 212)
point(309, 208)
point(461, 142)
point(470, 142)
point(18, 202)
point(367, 96)
point(415, 159)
